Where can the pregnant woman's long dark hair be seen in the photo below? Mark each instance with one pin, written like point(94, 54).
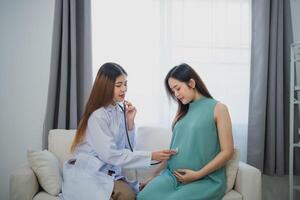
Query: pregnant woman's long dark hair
point(184, 73)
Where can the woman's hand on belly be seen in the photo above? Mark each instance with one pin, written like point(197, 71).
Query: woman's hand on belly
point(185, 175)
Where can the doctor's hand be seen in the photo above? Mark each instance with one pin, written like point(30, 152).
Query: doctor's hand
point(162, 155)
point(130, 114)
point(185, 175)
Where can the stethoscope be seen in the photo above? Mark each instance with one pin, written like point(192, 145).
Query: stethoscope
point(123, 108)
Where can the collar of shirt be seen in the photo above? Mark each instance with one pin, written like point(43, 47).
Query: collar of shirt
point(111, 108)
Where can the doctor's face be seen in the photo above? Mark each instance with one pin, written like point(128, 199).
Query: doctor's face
point(181, 90)
point(120, 88)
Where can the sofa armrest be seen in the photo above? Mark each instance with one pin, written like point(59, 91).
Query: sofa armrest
point(248, 182)
point(23, 184)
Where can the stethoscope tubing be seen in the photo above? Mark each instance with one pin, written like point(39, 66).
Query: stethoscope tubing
point(123, 108)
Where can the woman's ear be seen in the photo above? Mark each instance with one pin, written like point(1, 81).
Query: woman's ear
point(192, 83)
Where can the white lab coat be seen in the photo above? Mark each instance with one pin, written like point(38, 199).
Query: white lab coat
point(104, 148)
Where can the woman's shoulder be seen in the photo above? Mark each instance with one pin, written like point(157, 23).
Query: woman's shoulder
point(220, 108)
point(210, 99)
point(211, 102)
point(99, 113)
point(217, 104)
point(220, 105)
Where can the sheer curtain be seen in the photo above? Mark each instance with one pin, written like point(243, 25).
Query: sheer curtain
point(149, 37)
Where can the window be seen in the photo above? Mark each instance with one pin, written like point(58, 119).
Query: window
point(149, 37)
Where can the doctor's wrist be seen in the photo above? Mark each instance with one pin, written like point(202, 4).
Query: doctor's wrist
point(130, 126)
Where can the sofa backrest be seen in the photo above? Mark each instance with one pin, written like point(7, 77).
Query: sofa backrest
point(147, 138)
point(151, 139)
point(59, 142)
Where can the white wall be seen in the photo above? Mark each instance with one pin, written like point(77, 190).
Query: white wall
point(25, 50)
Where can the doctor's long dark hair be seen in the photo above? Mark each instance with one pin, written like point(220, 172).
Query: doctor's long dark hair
point(101, 95)
point(184, 73)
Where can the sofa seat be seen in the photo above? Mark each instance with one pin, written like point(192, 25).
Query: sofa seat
point(42, 195)
point(233, 195)
point(24, 184)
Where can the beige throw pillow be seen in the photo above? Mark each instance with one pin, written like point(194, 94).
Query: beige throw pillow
point(231, 169)
point(47, 169)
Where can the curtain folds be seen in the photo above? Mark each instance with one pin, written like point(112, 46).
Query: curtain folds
point(71, 65)
point(268, 127)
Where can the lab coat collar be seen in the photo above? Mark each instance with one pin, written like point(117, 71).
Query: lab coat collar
point(111, 108)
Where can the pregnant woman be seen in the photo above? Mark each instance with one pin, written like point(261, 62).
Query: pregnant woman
point(203, 137)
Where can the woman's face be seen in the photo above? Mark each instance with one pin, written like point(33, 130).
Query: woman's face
point(120, 88)
point(182, 91)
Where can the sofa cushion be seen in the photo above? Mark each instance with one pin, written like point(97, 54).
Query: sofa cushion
point(147, 140)
point(59, 143)
point(47, 169)
point(45, 196)
point(232, 195)
point(23, 183)
point(153, 138)
point(232, 167)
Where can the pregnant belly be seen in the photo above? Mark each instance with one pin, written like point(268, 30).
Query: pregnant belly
point(183, 162)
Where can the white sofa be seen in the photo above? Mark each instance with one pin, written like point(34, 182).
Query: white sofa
point(24, 184)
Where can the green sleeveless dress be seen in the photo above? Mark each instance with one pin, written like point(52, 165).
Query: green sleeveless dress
point(196, 137)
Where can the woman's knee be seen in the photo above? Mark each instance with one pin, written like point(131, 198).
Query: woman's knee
point(122, 191)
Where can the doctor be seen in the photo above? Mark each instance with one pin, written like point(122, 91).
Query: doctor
point(100, 148)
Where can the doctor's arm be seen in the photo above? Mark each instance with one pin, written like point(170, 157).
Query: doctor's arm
point(103, 142)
